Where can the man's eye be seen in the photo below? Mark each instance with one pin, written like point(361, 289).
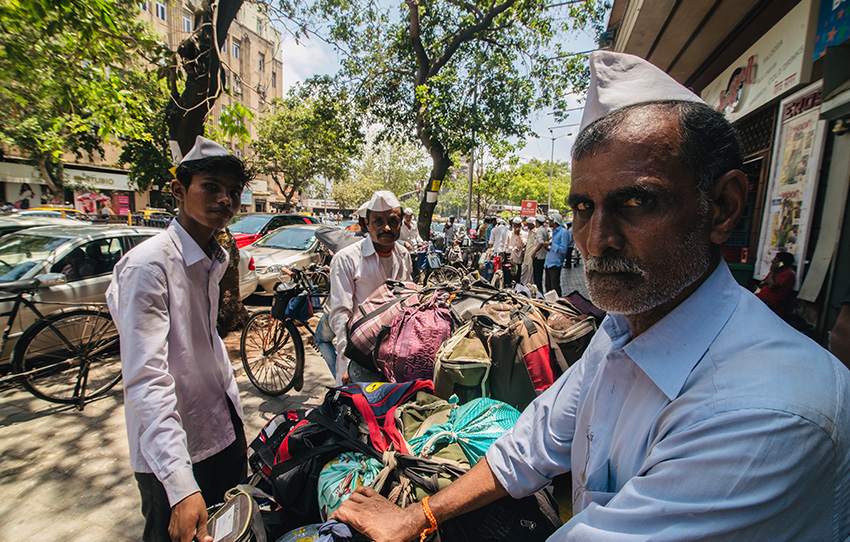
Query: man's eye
point(633, 202)
point(582, 207)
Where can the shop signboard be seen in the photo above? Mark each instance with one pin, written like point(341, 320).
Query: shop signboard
point(123, 204)
point(775, 64)
point(528, 207)
point(247, 197)
point(96, 180)
point(797, 153)
point(833, 25)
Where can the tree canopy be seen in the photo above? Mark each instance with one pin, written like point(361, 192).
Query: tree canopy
point(452, 74)
point(315, 132)
point(73, 78)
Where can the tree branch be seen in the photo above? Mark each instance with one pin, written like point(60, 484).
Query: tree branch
point(422, 61)
point(467, 34)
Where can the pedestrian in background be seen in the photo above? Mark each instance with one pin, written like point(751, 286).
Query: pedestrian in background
point(777, 288)
point(557, 252)
point(516, 250)
point(527, 277)
point(541, 235)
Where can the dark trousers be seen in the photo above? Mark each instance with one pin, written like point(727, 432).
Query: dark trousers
point(553, 279)
point(538, 274)
point(568, 262)
point(214, 475)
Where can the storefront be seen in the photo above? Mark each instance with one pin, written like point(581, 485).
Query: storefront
point(92, 187)
point(749, 92)
point(23, 187)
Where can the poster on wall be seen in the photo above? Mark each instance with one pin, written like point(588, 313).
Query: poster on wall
point(794, 170)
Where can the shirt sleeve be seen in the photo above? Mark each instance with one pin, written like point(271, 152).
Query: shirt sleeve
point(150, 399)
point(745, 475)
point(538, 447)
point(342, 308)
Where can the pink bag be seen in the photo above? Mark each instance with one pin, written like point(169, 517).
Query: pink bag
point(409, 347)
point(375, 314)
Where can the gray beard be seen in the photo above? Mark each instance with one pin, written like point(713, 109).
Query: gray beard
point(689, 260)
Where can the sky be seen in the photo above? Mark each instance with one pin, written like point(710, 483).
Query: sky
point(309, 57)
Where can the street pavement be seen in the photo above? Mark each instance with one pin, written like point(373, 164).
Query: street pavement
point(65, 475)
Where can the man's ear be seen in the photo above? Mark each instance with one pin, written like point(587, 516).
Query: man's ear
point(178, 190)
point(729, 196)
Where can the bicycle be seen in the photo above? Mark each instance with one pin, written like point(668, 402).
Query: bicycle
point(64, 354)
point(271, 347)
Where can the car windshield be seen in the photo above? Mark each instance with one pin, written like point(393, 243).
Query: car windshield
point(19, 253)
point(289, 239)
point(247, 224)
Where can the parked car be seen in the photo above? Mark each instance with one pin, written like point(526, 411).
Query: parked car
point(63, 210)
point(247, 228)
point(289, 246)
point(247, 274)
point(86, 255)
point(16, 222)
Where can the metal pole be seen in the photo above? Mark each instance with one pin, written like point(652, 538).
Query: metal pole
point(551, 169)
point(471, 161)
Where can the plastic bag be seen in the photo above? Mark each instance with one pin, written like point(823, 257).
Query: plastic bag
point(340, 477)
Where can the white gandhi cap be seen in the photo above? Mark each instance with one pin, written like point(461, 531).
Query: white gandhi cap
point(204, 148)
point(618, 80)
point(383, 200)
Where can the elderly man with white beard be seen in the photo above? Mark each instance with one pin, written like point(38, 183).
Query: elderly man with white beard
point(695, 413)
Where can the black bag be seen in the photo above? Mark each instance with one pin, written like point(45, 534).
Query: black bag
point(532, 519)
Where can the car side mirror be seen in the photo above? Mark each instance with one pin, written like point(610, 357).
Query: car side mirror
point(46, 280)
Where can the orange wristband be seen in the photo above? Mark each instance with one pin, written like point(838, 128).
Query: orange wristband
point(426, 508)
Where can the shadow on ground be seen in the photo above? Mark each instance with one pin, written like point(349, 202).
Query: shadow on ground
point(65, 475)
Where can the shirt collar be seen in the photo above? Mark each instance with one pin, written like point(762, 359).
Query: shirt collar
point(190, 250)
point(368, 247)
point(669, 350)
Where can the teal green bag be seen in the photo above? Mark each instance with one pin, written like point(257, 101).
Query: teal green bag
point(474, 426)
point(341, 476)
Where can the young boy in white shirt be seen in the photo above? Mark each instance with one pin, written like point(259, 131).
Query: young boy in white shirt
point(184, 418)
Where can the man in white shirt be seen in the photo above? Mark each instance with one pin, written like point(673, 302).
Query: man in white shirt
point(187, 443)
point(360, 269)
point(409, 234)
point(516, 249)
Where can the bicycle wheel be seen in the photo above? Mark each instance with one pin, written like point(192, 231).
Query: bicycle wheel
point(272, 353)
point(443, 275)
point(74, 351)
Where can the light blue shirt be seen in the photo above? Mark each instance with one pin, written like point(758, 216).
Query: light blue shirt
point(561, 239)
point(720, 422)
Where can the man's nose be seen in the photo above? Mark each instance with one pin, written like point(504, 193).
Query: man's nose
point(601, 234)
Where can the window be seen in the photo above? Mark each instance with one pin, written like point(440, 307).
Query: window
point(236, 49)
point(261, 63)
point(90, 260)
point(145, 6)
point(274, 80)
point(187, 23)
point(160, 11)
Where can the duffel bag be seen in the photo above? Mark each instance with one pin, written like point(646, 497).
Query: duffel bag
point(238, 519)
point(462, 366)
point(408, 348)
point(373, 315)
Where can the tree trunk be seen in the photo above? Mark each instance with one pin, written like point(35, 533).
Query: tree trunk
point(55, 185)
point(186, 112)
point(440, 164)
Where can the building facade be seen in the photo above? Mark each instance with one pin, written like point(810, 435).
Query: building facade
point(253, 77)
point(779, 71)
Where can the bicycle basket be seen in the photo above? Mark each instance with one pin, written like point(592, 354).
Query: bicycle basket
point(292, 303)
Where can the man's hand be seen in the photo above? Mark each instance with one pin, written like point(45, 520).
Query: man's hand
point(379, 519)
point(189, 520)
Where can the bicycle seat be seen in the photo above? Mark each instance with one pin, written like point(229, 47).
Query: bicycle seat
point(17, 286)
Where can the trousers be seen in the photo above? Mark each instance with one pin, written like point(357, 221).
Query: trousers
point(538, 274)
point(553, 279)
point(215, 475)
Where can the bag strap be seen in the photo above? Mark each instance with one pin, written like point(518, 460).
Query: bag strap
point(375, 433)
point(380, 310)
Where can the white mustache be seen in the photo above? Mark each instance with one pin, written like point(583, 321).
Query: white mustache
point(612, 264)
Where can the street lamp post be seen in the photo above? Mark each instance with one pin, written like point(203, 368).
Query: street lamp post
point(553, 137)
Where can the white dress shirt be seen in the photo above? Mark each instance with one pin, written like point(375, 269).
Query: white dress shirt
point(177, 375)
point(409, 236)
point(720, 422)
point(499, 239)
point(356, 272)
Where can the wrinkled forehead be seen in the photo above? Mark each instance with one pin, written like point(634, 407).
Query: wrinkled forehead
point(645, 145)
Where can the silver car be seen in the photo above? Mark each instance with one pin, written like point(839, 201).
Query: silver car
point(86, 255)
point(19, 221)
point(289, 246)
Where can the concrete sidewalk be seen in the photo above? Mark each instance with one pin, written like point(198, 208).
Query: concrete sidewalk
point(65, 475)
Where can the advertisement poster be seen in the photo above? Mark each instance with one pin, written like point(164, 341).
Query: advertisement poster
point(528, 207)
point(833, 25)
point(794, 171)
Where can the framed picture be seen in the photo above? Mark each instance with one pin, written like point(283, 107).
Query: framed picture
point(794, 171)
